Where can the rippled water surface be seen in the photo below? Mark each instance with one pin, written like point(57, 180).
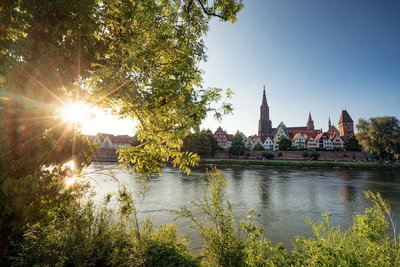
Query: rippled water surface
point(281, 197)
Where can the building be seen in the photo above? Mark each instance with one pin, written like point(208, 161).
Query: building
point(111, 141)
point(337, 142)
point(264, 124)
point(223, 138)
point(299, 141)
point(269, 143)
point(346, 125)
point(310, 123)
point(302, 137)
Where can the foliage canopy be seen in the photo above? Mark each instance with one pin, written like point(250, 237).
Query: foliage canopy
point(202, 142)
point(237, 146)
point(137, 58)
point(380, 136)
point(284, 143)
point(352, 144)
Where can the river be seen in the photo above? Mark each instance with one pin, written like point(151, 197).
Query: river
point(281, 197)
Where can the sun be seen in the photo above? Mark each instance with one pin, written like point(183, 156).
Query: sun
point(77, 113)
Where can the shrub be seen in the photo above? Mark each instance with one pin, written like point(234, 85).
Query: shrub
point(315, 155)
point(305, 154)
point(268, 155)
point(366, 243)
point(87, 236)
point(258, 147)
point(222, 245)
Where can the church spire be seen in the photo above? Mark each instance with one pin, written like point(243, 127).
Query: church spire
point(264, 99)
point(310, 123)
point(329, 123)
point(264, 124)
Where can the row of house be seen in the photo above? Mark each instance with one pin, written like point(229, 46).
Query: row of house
point(110, 140)
point(303, 137)
point(310, 140)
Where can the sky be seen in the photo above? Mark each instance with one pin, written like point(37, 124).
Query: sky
point(312, 55)
point(315, 56)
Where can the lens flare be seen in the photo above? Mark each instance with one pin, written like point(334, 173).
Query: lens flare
point(76, 112)
point(70, 181)
point(70, 164)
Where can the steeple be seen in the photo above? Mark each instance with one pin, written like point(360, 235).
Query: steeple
point(329, 123)
point(310, 123)
point(264, 124)
point(264, 99)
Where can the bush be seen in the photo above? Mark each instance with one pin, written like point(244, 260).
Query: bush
point(305, 154)
point(366, 243)
point(268, 155)
point(87, 236)
point(315, 155)
point(258, 147)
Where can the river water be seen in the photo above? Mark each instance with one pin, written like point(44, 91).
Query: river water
point(281, 197)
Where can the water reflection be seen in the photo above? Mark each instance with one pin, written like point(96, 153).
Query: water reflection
point(282, 198)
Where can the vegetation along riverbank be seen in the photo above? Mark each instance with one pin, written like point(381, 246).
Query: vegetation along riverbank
point(291, 163)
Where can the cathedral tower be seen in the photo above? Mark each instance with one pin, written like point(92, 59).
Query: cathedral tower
point(346, 124)
point(264, 124)
point(310, 123)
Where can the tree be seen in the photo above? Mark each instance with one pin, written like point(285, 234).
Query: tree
point(284, 143)
point(138, 58)
point(352, 144)
point(258, 147)
point(202, 142)
point(380, 136)
point(268, 155)
point(237, 147)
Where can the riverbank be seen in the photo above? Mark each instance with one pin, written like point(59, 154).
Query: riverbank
point(291, 163)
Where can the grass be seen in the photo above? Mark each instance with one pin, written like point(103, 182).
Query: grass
point(289, 163)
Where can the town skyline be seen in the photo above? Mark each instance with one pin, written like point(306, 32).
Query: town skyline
point(317, 57)
point(313, 56)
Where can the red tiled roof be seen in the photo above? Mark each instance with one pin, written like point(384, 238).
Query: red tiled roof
point(319, 136)
point(312, 134)
point(295, 136)
point(296, 129)
point(229, 137)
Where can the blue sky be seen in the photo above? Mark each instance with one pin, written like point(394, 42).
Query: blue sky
point(312, 55)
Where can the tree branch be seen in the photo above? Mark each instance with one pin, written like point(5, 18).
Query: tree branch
point(210, 13)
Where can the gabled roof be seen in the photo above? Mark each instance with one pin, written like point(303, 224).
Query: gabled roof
point(334, 136)
point(296, 136)
point(103, 136)
point(229, 137)
point(219, 129)
point(345, 117)
point(115, 138)
point(319, 136)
